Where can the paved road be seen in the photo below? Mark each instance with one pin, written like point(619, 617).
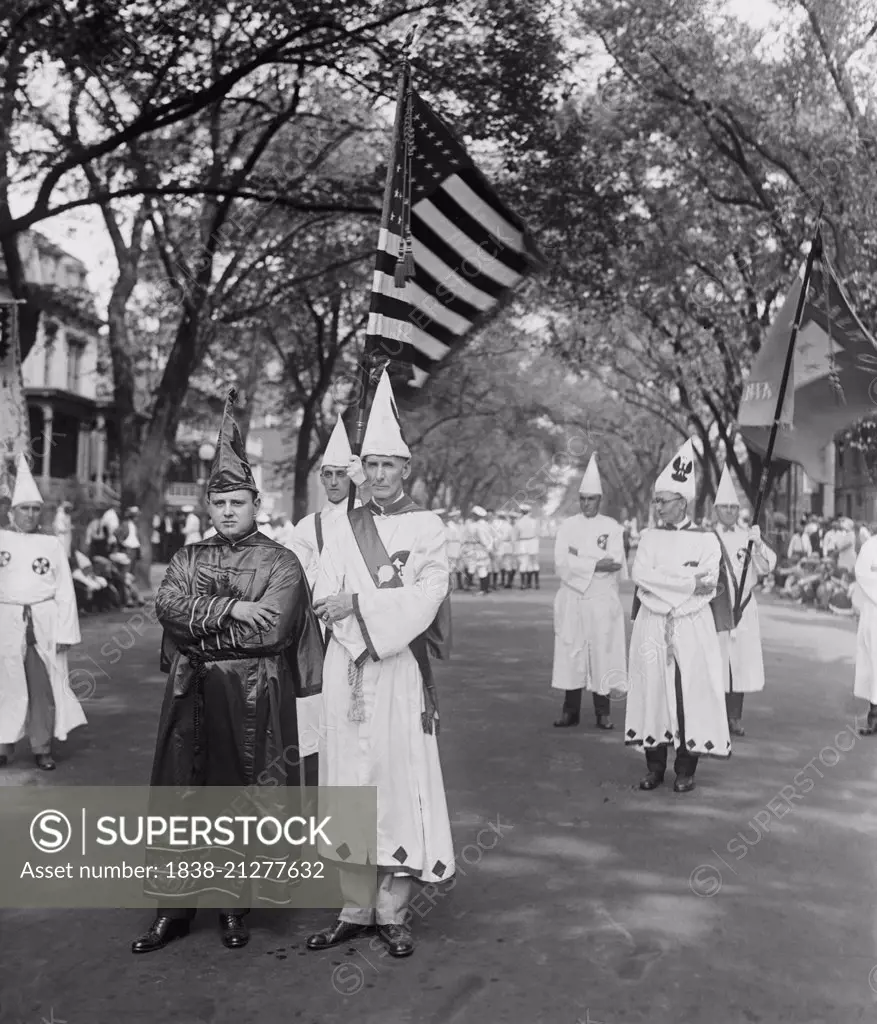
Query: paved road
point(579, 898)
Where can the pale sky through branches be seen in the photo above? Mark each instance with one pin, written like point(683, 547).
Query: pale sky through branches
point(83, 235)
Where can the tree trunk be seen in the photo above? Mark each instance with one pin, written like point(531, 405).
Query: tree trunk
point(703, 489)
point(247, 389)
point(302, 466)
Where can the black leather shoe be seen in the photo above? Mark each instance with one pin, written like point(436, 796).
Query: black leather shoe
point(45, 762)
point(341, 931)
point(162, 931)
point(567, 718)
point(735, 727)
point(604, 722)
point(683, 784)
point(870, 726)
point(397, 938)
point(652, 780)
point(235, 933)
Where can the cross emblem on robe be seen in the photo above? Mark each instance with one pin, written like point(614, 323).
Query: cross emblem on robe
point(40, 566)
point(5, 558)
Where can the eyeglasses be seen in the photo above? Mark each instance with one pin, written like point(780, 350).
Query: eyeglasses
point(664, 501)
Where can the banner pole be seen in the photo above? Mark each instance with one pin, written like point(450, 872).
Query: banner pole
point(365, 376)
point(812, 256)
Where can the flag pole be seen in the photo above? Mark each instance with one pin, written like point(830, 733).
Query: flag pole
point(814, 254)
point(365, 374)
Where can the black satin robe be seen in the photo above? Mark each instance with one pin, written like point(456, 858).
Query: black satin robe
point(229, 714)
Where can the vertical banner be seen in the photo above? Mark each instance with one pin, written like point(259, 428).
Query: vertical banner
point(14, 427)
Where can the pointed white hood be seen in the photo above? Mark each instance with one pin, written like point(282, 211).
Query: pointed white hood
point(383, 433)
point(678, 475)
point(338, 453)
point(25, 491)
point(726, 493)
point(591, 480)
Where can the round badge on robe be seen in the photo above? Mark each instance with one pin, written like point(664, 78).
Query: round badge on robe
point(40, 566)
point(5, 558)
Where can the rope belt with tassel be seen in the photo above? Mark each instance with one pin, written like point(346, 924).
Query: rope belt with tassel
point(356, 713)
point(670, 638)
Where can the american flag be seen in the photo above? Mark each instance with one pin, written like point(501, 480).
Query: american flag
point(469, 250)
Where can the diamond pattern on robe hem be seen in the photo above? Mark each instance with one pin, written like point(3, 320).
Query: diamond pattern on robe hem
point(631, 733)
point(650, 740)
point(691, 744)
point(343, 851)
point(439, 868)
point(400, 855)
point(668, 736)
point(709, 745)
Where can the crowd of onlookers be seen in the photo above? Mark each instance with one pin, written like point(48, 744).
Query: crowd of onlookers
point(103, 555)
point(104, 552)
point(817, 566)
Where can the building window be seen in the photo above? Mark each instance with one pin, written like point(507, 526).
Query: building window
point(75, 349)
point(50, 333)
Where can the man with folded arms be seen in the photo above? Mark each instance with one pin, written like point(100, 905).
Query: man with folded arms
point(589, 637)
point(241, 644)
point(676, 688)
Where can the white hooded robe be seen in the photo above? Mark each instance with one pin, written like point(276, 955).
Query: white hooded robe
point(35, 571)
point(589, 638)
point(389, 749)
point(742, 658)
point(676, 627)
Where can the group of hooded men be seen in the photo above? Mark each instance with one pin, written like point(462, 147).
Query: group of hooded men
point(695, 647)
point(287, 665)
point(492, 548)
point(309, 662)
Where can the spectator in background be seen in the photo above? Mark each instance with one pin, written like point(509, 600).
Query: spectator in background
point(830, 539)
point(863, 534)
point(845, 545)
point(814, 535)
point(109, 525)
point(169, 546)
point(130, 535)
point(799, 545)
point(92, 543)
point(110, 572)
point(62, 527)
point(191, 526)
point(93, 592)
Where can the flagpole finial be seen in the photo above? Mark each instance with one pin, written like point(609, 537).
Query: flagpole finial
point(410, 39)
